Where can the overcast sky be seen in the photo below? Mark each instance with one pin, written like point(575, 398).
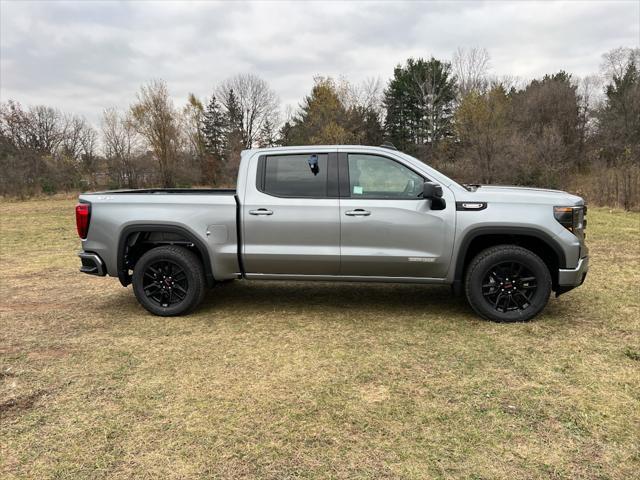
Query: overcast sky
point(84, 56)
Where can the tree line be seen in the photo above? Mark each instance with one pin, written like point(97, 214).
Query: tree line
point(558, 131)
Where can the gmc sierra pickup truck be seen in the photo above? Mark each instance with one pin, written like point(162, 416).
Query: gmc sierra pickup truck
point(338, 213)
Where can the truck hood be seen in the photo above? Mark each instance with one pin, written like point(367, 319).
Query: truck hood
point(509, 194)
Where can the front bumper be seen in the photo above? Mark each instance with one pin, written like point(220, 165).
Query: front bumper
point(570, 278)
point(92, 264)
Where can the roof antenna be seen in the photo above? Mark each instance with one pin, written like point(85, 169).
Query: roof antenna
point(389, 145)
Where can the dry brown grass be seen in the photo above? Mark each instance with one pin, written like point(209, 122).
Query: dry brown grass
point(282, 380)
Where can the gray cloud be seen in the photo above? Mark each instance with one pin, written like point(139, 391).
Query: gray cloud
point(86, 56)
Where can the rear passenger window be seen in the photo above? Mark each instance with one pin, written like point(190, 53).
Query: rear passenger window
point(296, 175)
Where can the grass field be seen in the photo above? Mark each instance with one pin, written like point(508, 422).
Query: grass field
point(283, 380)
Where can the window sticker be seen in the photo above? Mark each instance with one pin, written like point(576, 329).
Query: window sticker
point(357, 189)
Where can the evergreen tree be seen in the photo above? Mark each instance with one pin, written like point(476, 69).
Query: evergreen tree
point(213, 128)
point(365, 124)
point(214, 138)
point(284, 134)
point(619, 119)
point(267, 135)
point(233, 121)
point(234, 135)
point(325, 118)
point(419, 101)
point(322, 118)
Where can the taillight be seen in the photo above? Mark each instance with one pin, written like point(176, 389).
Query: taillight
point(83, 215)
point(572, 218)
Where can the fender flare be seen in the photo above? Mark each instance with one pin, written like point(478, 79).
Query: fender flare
point(474, 233)
point(199, 245)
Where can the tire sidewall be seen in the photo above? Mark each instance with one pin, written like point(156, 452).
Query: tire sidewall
point(160, 254)
point(498, 255)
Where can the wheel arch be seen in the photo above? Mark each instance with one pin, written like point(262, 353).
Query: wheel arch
point(537, 241)
point(136, 239)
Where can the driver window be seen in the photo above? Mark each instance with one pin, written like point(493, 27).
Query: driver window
point(371, 176)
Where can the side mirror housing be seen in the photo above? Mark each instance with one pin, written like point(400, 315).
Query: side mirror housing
point(431, 190)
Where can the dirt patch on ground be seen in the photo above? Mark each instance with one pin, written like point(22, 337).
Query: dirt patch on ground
point(374, 393)
point(33, 307)
point(9, 350)
point(38, 354)
point(15, 406)
point(47, 353)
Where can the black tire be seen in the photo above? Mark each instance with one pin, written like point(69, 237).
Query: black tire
point(507, 283)
point(169, 281)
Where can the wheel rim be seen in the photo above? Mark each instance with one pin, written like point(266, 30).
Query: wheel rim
point(165, 283)
point(509, 287)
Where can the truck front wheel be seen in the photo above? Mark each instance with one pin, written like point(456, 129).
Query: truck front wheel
point(169, 281)
point(507, 283)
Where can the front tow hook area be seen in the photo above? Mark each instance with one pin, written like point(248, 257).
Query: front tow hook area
point(568, 279)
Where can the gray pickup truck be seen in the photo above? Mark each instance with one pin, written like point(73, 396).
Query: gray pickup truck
point(338, 213)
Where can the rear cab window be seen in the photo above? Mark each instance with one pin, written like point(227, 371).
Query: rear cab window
point(297, 176)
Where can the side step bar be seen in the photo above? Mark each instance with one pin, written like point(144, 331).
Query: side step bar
point(92, 264)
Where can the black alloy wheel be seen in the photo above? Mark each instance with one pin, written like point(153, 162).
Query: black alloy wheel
point(165, 283)
point(169, 280)
point(507, 283)
point(509, 286)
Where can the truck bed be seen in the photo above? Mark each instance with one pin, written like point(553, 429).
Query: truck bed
point(168, 191)
point(207, 217)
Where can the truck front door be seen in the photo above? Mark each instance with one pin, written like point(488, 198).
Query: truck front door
point(387, 228)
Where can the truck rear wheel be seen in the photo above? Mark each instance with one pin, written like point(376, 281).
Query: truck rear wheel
point(169, 281)
point(507, 283)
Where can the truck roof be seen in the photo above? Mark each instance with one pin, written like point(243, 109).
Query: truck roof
point(381, 148)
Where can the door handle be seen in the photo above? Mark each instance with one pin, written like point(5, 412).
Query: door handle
point(260, 211)
point(358, 212)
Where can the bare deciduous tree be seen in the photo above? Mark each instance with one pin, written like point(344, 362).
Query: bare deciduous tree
point(45, 128)
point(32, 139)
point(615, 62)
point(482, 124)
point(89, 153)
point(589, 97)
point(75, 136)
point(120, 145)
point(155, 118)
point(367, 95)
point(192, 117)
point(257, 102)
point(471, 67)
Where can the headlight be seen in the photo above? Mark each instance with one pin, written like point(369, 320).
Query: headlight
point(572, 218)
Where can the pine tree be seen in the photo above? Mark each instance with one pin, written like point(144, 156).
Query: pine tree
point(233, 114)
point(284, 134)
point(267, 135)
point(322, 118)
point(234, 135)
point(619, 119)
point(419, 102)
point(213, 128)
point(233, 123)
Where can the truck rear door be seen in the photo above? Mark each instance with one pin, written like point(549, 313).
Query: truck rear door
point(291, 218)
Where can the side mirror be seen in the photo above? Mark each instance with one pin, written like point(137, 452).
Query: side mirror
point(431, 190)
